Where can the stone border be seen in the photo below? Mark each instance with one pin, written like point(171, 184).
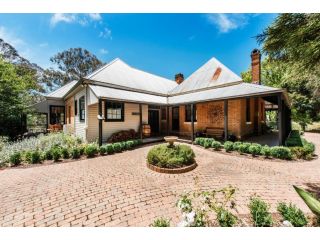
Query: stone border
point(172, 170)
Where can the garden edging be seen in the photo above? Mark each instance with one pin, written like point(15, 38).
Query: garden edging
point(172, 170)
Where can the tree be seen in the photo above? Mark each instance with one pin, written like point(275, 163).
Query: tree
point(72, 64)
point(17, 86)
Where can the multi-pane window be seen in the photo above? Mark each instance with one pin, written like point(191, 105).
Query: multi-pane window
point(82, 109)
point(188, 113)
point(248, 110)
point(114, 112)
point(57, 115)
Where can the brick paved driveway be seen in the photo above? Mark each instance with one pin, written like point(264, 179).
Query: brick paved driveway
point(119, 190)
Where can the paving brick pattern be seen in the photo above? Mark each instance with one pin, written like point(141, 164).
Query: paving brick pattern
point(119, 190)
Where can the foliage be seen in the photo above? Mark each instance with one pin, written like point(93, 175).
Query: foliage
point(236, 145)
point(109, 148)
point(161, 222)
point(56, 153)
point(75, 152)
point(311, 201)
point(91, 149)
point(3, 141)
point(294, 139)
point(281, 152)
point(216, 145)
point(65, 153)
point(15, 159)
point(244, 147)
point(171, 157)
point(226, 218)
point(255, 149)
point(260, 213)
point(123, 135)
point(266, 151)
point(103, 149)
point(228, 146)
point(48, 154)
point(117, 147)
point(72, 64)
point(33, 157)
point(292, 214)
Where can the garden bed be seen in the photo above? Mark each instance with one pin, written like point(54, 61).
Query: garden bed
point(172, 170)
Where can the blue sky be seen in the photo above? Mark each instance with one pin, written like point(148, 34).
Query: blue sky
point(163, 44)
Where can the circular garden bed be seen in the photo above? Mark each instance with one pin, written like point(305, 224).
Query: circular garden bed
point(164, 158)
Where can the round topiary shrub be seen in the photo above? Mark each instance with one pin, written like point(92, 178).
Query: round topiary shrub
point(177, 156)
point(109, 148)
point(75, 153)
point(228, 146)
point(216, 145)
point(65, 153)
point(255, 149)
point(117, 147)
point(129, 144)
point(244, 148)
point(91, 149)
point(103, 149)
point(266, 151)
point(236, 145)
point(15, 159)
point(56, 154)
point(281, 152)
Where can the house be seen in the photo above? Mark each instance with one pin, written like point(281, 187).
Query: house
point(213, 99)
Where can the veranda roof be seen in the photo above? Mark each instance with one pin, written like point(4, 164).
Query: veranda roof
point(62, 91)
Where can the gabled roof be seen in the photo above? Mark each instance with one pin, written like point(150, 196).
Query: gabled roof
point(62, 91)
point(118, 73)
point(212, 74)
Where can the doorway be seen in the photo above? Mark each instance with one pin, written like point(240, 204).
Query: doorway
point(153, 120)
point(175, 119)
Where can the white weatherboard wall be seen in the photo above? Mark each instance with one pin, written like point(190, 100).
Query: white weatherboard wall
point(108, 128)
point(80, 127)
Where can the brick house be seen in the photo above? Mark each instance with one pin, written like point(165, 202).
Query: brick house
point(211, 101)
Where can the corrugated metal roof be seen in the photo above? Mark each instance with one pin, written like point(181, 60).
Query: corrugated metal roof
point(119, 73)
point(212, 73)
point(62, 91)
point(233, 91)
point(124, 95)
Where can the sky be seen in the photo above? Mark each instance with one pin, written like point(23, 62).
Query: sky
point(163, 44)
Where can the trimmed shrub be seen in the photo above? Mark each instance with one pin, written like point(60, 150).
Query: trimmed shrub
point(75, 153)
point(82, 148)
point(27, 156)
point(308, 147)
point(260, 213)
point(226, 218)
point(129, 144)
point(216, 145)
point(123, 146)
point(56, 154)
point(236, 145)
point(123, 135)
point(91, 150)
point(255, 149)
point(228, 146)
point(48, 154)
point(199, 141)
point(266, 151)
point(109, 148)
point(65, 153)
point(15, 159)
point(244, 147)
point(292, 214)
point(103, 149)
point(294, 139)
point(32, 157)
point(281, 152)
point(117, 147)
point(171, 157)
point(161, 222)
point(42, 156)
point(299, 152)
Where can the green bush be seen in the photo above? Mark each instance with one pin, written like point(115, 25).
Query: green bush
point(236, 145)
point(228, 146)
point(216, 145)
point(308, 147)
point(260, 213)
point(129, 144)
point(266, 151)
point(27, 156)
point(48, 154)
point(56, 154)
point(82, 148)
point(299, 152)
point(91, 150)
point(161, 222)
point(123, 146)
point(65, 153)
point(32, 157)
point(199, 141)
point(75, 153)
point(294, 139)
point(281, 152)
point(109, 148)
point(171, 157)
point(292, 214)
point(226, 218)
point(117, 147)
point(15, 158)
point(139, 141)
point(244, 147)
point(103, 149)
point(42, 156)
point(255, 149)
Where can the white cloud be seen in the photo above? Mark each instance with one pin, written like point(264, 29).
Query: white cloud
point(106, 33)
point(62, 17)
point(227, 22)
point(103, 51)
point(95, 16)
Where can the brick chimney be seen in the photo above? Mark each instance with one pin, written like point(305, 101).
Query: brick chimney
point(179, 78)
point(256, 66)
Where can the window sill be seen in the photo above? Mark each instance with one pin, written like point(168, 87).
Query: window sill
point(248, 123)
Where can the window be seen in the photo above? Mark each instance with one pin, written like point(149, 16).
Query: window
point(75, 107)
point(248, 110)
point(56, 115)
point(188, 113)
point(163, 114)
point(114, 112)
point(82, 110)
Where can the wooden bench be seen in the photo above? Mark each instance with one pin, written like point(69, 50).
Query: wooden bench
point(214, 132)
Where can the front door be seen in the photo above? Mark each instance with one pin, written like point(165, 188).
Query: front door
point(175, 118)
point(153, 120)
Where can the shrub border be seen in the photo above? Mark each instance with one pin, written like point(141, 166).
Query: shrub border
point(172, 170)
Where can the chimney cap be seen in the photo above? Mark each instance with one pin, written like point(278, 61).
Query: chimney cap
point(255, 51)
point(179, 75)
point(179, 78)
